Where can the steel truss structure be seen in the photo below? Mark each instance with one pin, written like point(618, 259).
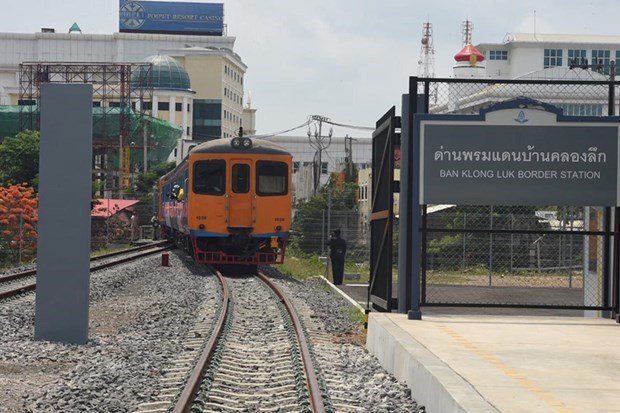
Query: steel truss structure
point(122, 100)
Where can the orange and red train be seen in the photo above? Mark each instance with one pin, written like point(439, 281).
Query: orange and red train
point(229, 202)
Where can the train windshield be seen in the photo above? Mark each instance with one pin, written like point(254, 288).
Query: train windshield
point(271, 178)
point(210, 177)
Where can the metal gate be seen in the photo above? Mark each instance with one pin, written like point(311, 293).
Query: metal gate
point(384, 140)
point(556, 256)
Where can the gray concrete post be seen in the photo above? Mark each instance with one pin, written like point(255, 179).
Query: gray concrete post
point(63, 251)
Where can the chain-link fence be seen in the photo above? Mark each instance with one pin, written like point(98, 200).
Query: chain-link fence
point(515, 256)
point(18, 239)
point(312, 228)
point(110, 225)
point(577, 97)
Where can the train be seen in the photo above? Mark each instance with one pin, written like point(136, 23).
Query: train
point(229, 202)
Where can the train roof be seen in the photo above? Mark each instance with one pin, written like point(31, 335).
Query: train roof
point(224, 146)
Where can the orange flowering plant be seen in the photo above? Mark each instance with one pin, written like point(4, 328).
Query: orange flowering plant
point(18, 223)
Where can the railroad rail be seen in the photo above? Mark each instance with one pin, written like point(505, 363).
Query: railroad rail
point(261, 362)
point(22, 282)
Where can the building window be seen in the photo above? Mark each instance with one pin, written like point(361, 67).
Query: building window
point(553, 58)
point(295, 166)
point(96, 104)
point(207, 118)
point(178, 107)
point(323, 168)
point(617, 62)
point(601, 57)
point(147, 105)
point(581, 109)
point(577, 57)
point(163, 105)
point(498, 55)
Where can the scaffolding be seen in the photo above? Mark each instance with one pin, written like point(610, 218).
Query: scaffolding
point(122, 101)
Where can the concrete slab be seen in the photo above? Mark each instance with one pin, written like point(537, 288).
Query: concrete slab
point(505, 363)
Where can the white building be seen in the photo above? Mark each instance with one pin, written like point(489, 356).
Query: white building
point(522, 53)
point(333, 158)
point(535, 57)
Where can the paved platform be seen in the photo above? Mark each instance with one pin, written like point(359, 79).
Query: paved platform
point(500, 361)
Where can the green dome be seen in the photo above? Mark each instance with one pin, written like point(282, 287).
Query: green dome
point(166, 73)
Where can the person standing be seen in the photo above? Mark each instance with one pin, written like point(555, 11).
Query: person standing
point(337, 250)
point(135, 229)
point(155, 224)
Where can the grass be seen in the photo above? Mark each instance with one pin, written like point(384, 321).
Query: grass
point(302, 266)
point(107, 250)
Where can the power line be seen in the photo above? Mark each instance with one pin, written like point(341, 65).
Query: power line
point(268, 135)
point(349, 126)
point(303, 125)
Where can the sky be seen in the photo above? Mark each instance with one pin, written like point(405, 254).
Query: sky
point(348, 60)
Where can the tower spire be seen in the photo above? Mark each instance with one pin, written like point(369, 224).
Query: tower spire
point(426, 64)
point(467, 28)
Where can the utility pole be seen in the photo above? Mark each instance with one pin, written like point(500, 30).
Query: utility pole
point(348, 150)
point(320, 143)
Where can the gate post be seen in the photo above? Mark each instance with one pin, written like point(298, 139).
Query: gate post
point(615, 302)
point(414, 236)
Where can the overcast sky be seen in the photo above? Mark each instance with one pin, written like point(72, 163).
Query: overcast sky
point(348, 60)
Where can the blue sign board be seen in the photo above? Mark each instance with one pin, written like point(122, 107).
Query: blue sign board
point(171, 18)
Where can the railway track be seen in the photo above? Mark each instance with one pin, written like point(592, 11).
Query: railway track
point(16, 284)
point(255, 358)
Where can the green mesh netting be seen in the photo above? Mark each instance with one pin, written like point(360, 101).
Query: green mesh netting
point(161, 135)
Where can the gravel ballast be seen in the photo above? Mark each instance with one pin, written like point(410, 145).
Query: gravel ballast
point(140, 314)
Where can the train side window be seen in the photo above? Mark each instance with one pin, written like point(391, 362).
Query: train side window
point(209, 177)
point(271, 178)
point(241, 178)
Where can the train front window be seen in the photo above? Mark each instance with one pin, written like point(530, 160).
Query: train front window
point(209, 177)
point(241, 178)
point(271, 178)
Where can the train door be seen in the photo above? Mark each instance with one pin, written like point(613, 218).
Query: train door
point(241, 196)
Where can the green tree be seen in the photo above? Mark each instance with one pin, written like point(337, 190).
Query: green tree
point(145, 181)
point(144, 186)
point(19, 157)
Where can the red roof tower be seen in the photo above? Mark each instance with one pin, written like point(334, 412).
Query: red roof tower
point(469, 53)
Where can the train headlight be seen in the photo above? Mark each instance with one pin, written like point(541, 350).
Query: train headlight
point(278, 227)
point(241, 143)
point(201, 226)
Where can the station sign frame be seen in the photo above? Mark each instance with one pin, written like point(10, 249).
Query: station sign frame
point(519, 152)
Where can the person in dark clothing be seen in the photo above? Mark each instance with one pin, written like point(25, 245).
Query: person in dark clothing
point(337, 250)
